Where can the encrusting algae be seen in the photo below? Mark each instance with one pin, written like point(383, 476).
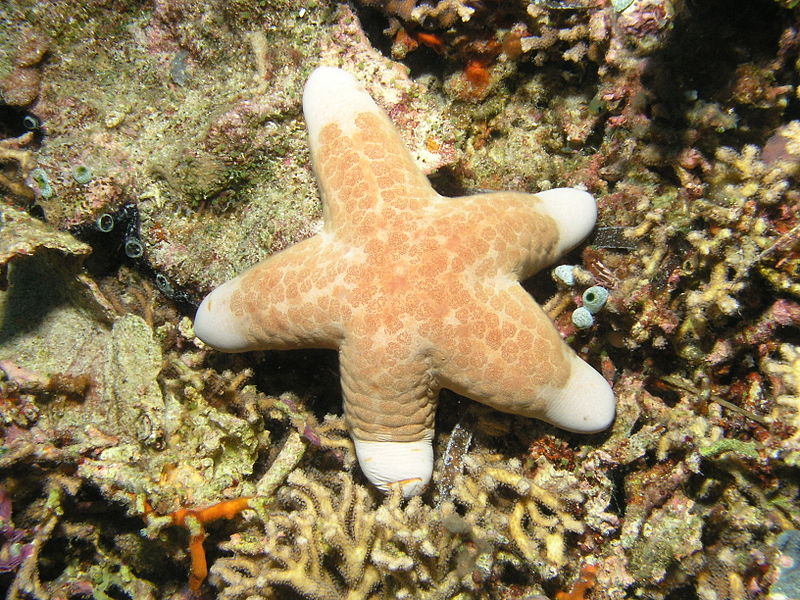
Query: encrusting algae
point(150, 152)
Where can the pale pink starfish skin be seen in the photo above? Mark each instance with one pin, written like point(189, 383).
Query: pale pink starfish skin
point(416, 291)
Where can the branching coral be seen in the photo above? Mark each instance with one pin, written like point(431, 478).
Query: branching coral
point(785, 370)
point(295, 544)
point(727, 240)
point(702, 491)
point(330, 540)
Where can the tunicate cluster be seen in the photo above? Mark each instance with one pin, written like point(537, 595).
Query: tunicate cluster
point(594, 298)
point(112, 235)
point(115, 238)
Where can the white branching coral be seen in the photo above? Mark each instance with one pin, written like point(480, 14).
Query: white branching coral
point(295, 544)
point(329, 539)
point(535, 521)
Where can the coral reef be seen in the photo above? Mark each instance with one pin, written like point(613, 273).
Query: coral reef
point(167, 138)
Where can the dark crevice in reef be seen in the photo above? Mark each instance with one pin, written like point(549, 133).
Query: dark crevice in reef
point(16, 121)
point(374, 22)
point(716, 36)
point(312, 373)
point(709, 42)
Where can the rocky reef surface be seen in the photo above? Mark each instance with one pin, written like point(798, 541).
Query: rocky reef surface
point(151, 150)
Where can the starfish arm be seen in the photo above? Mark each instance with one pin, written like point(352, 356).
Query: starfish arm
point(506, 353)
point(574, 213)
point(365, 173)
point(390, 407)
point(284, 302)
point(512, 232)
point(393, 399)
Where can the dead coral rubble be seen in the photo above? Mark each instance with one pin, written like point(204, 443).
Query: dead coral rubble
point(21, 86)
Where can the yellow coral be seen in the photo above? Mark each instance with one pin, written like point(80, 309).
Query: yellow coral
point(787, 371)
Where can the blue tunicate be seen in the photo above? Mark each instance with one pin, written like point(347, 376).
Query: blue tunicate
point(43, 181)
point(30, 122)
point(105, 222)
point(595, 298)
point(787, 585)
point(582, 318)
point(133, 248)
point(163, 284)
point(565, 274)
point(177, 69)
point(82, 174)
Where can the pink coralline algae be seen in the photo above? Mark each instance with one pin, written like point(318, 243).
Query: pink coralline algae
point(13, 552)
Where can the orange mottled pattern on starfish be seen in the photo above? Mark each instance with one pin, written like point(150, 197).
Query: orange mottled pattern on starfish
point(416, 284)
point(369, 180)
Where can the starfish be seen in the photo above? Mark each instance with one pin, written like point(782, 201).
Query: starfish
point(416, 291)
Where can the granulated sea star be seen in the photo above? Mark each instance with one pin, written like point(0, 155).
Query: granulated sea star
point(416, 291)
